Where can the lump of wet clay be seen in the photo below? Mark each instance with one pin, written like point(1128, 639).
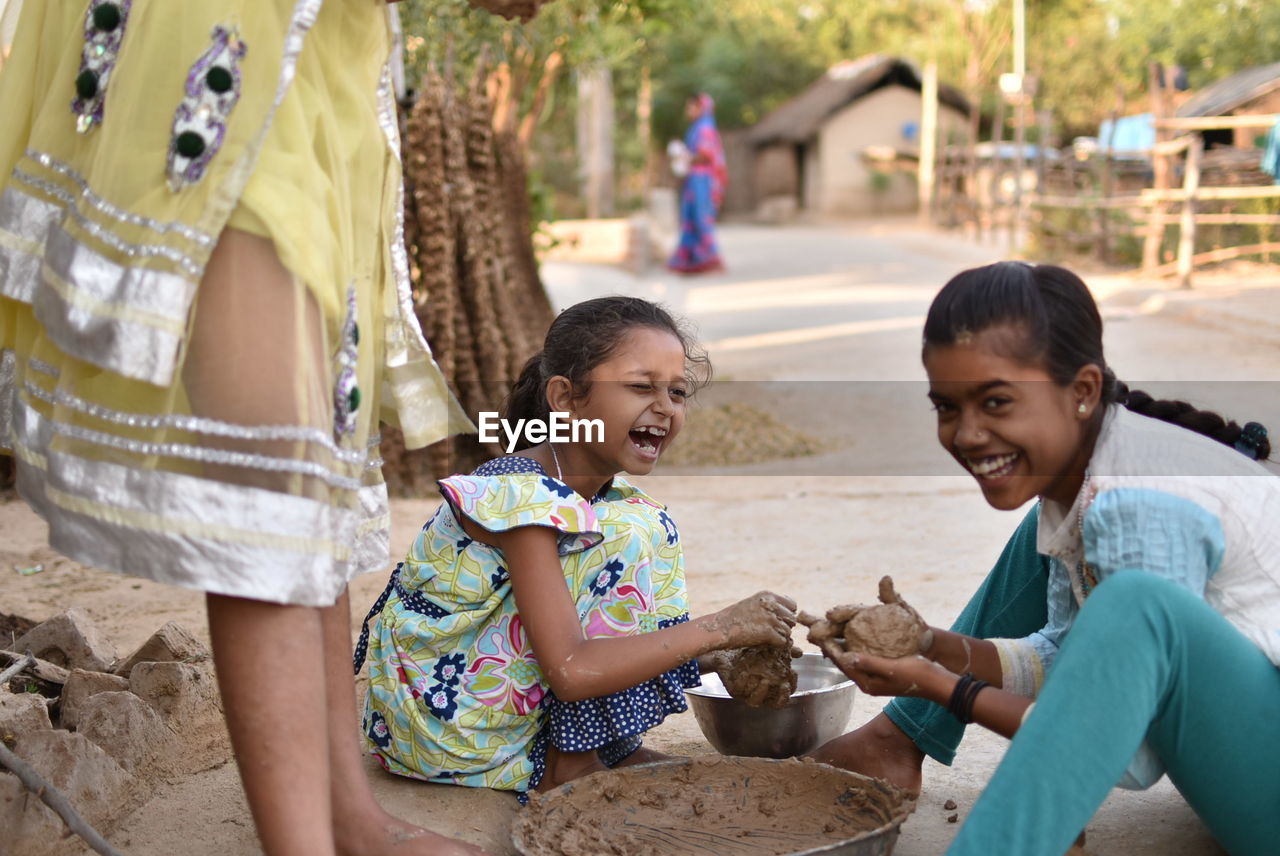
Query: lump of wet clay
point(891, 628)
point(760, 676)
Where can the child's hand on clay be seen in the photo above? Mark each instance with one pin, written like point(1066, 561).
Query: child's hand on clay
point(764, 618)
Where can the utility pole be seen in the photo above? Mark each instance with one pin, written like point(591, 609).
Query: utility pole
point(928, 139)
point(1020, 134)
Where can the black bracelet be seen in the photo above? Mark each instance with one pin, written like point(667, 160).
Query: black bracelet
point(954, 705)
point(974, 689)
point(963, 696)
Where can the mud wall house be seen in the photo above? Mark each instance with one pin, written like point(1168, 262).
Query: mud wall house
point(812, 154)
point(1250, 92)
point(739, 155)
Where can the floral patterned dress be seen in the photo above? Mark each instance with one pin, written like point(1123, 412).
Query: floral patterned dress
point(455, 691)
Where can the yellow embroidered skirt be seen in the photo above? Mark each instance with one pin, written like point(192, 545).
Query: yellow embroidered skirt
point(204, 299)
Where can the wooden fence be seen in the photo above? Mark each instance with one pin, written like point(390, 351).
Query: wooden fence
point(1106, 199)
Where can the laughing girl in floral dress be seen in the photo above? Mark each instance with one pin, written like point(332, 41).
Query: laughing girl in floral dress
point(532, 635)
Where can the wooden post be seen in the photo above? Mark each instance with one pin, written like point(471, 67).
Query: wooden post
point(595, 138)
point(1044, 120)
point(1187, 232)
point(928, 139)
point(1016, 226)
point(989, 206)
point(1160, 167)
point(644, 127)
point(969, 182)
point(1107, 185)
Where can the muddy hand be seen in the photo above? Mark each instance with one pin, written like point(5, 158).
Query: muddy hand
point(835, 652)
point(764, 618)
point(882, 676)
point(821, 631)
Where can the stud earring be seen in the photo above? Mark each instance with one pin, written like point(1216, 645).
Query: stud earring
point(1081, 408)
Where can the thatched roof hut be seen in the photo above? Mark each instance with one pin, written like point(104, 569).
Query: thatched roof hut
point(843, 146)
point(801, 118)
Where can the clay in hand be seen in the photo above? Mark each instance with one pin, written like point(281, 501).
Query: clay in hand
point(760, 676)
point(889, 629)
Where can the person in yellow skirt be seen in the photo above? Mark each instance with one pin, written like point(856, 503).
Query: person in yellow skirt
point(204, 317)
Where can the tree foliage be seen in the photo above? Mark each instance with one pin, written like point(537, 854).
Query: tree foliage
point(754, 54)
point(1089, 56)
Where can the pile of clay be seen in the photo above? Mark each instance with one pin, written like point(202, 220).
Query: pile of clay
point(889, 629)
point(713, 806)
point(760, 676)
point(736, 433)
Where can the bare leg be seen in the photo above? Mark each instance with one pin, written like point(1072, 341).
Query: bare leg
point(269, 656)
point(360, 826)
point(284, 671)
point(566, 766)
point(879, 749)
point(271, 678)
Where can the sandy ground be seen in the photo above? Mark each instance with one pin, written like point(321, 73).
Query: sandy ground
point(828, 317)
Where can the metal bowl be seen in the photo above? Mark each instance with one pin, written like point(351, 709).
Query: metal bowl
point(817, 711)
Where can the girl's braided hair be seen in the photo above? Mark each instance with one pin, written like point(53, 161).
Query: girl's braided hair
point(1063, 332)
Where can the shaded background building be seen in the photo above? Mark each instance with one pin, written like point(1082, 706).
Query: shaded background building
point(846, 146)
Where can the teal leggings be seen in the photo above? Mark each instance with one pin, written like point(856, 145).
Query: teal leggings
point(1144, 659)
point(1011, 603)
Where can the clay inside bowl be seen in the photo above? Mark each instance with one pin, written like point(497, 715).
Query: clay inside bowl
point(816, 712)
point(714, 806)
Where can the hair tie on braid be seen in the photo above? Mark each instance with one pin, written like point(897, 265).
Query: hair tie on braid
point(1252, 438)
point(1120, 389)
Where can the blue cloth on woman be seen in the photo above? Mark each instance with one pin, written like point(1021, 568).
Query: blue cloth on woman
point(701, 196)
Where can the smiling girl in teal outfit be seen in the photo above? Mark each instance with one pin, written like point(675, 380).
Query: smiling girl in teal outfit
point(539, 624)
point(1139, 604)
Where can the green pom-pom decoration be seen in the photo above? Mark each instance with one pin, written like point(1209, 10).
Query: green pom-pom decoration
point(106, 17)
point(353, 399)
point(87, 84)
point(219, 79)
point(190, 144)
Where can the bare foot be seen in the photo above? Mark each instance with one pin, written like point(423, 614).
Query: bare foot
point(644, 755)
point(566, 766)
point(879, 749)
point(377, 833)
